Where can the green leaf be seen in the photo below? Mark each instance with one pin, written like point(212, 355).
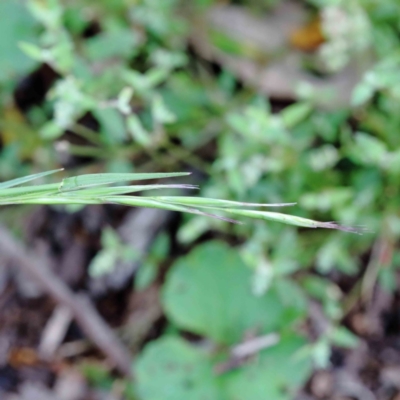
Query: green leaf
point(154, 203)
point(51, 131)
point(209, 293)
point(321, 352)
point(368, 150)
point(294, 114)
point(171, 369)
point(317, 287)
point(48, 12)
point(118, 190)
point(124, 98)
point(16, 26)
point(25, 179)
point(119, 43)
point(31, 50)
point(137, 131)
point(97, 374)
point(342, 337)
point(82, 181)
point(293, 220)
point(146, 275)
point(103, 262)
point(112, 125)
point(277, 372)
point(209, 203)
point(323, 158)
point(160, 112)
point(362, 93)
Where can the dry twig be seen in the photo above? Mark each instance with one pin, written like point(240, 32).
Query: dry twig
point(79, 305)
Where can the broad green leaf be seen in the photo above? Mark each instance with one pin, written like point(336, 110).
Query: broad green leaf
point(171, 369)
point(276, 374)
point(16, 26)
point(209, 293)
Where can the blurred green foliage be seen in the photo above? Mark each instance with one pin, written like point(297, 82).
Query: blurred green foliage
point(208, 293)
point(159, 106)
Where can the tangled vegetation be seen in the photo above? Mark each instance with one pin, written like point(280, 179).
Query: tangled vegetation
point(132, 90)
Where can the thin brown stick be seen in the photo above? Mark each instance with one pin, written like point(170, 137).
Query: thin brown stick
point(80, 306)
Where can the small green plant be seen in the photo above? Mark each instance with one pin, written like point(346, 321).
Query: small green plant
point(131, 95)
point(206, 293)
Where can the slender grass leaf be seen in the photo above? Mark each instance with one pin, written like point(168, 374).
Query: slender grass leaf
point(119, 190)
point(295, 220)
point(25, 179)
point(152, 203)
point(29, 190)
point(53, 200)
point(82, 181)
point(79, 190)
point(206, 202)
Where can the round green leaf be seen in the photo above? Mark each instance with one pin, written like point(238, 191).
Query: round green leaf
point(171, 369)
point(275, 375)
point(208, 292)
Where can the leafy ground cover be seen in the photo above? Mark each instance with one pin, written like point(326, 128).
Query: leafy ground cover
point(262, 102)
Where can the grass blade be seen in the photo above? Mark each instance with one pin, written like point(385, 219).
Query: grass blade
point(81, 190)
point(207, 202)
point(295, 220)
point(89, 180)
point(29, 190)
point(25, 179)
point(153, 203)
point(119, 190)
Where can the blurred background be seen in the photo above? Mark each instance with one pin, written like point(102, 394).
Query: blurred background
point(263, 101)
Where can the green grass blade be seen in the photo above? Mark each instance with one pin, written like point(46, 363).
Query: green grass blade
point(52, 200)
point(153, 203)
point(83, 181)
point(119, 190)
point(25, 179)
point(294, 220)
point(81, 190)
point(28, 190)
point(207, 202)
